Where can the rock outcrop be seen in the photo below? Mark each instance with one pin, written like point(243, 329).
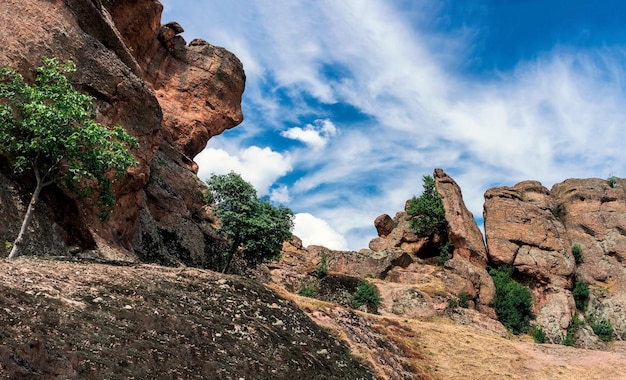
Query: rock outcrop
point(463, 232)
point(171, 96)
point(534, 229)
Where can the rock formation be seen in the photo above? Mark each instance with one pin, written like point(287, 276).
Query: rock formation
point(534, 229)
point(171, 96)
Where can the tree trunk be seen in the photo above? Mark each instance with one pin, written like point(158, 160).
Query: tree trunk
point(17, 244)
point(233, 249)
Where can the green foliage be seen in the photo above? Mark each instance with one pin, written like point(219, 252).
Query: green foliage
point(50, 128)
point(461, 300)
point(572, 330)
point(578, 254)
point(581, 294)
point(322, 267)
point(538, 334)
point(512, 301)
point(427, 212)
point(557, 211)
point(252, 223)
point(309, 290)
point(444, 254)
point(49, 131)
point(612, 181)
point(366, 294)
point(603, 329)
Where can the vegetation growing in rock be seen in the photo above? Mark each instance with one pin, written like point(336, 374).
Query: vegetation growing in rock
point(461, 300)
point(578, 254)
point(538, 334)
point(603, 329)
point(557, 211)
point(444, 254)
point(366, 294)
point(581, 294)
point(428, 218)
point(612, 181)
point(427, 212)
point(322, 267)
point(253, 224)
point(309, 290)
point(572, 330)
point(512, 301)
point(48, 131)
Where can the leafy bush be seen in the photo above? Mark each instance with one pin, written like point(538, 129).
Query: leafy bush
point(462, 300)
point(427, 212)
point(612, 181)
point(444, 254)
point(557, 211)
point(49, 132)
point(366, 294)
point(512, 301)
point(581, 294)
point(571, 331)
point(603, 329)
point(309, 290)
point(322, 267)
point(578, 254)
point(538, 334)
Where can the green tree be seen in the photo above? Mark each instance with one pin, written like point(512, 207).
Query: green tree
point(427, 212)
point(48, 130)
point(252, 223)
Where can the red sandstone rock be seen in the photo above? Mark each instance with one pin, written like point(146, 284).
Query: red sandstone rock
point(522, 231)
point(463, 232)
point(384, 225)
point(172, 97)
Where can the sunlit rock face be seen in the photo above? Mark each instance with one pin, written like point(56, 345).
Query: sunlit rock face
point(171, 96)
point(534, 229)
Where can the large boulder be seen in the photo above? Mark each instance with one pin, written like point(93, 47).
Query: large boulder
point(522, 231)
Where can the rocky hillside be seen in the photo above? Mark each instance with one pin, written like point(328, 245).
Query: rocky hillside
point(556, 241)
point(67, 320)
point(170, 95)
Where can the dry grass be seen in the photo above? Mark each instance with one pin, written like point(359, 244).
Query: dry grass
point(437, 348)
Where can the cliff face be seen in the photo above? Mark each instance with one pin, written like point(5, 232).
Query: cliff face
point(171, 96)
point(534, 229)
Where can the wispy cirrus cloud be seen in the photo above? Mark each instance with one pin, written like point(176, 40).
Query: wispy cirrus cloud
point(397, 88)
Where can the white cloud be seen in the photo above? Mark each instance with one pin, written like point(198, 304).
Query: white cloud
point(280, 195)
point(315, 135)
point(560, 115)
point(316, 231)
point(259, 166)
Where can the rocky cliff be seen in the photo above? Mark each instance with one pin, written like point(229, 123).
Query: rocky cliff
point(535, 229)
point(170, 95)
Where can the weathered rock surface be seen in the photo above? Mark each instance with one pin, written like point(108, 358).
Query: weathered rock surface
point(463, 232)
point(68, 320)
point(534, 230)
point(171, 96)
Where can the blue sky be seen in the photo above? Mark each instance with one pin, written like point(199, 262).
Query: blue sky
point(349, 103)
